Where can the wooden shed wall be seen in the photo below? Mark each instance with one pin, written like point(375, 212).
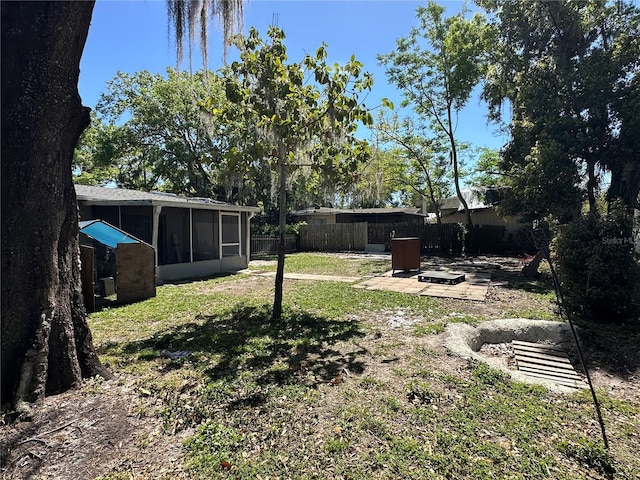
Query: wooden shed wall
point(136, 273)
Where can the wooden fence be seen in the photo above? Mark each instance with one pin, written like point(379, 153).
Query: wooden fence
point(487, 239)
point(445, 239)
point(262, 245)
point(337, 237)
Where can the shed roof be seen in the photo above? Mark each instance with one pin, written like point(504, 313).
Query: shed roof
point(94, 195)
point(105, 233)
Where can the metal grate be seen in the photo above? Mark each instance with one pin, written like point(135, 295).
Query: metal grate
point(547, 362)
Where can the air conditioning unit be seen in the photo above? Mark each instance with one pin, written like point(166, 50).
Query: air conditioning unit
point(109, 286)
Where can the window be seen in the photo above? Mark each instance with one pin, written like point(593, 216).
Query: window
point(204, 235)
point(173, 236)
point(230, 234)
point(110, 214)
point(137, 222)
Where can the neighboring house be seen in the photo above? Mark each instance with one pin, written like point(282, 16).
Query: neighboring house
point(483, 204)
point(328, 216)
point(192, 237)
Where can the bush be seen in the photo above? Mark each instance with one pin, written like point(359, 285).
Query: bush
point(598, 267)
point(266, 229)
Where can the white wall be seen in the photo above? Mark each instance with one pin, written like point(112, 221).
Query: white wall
point(202, 269)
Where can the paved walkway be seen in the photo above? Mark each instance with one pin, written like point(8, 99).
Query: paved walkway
point(474, 287)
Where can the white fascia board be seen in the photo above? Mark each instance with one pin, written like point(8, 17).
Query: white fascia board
point(142, 203)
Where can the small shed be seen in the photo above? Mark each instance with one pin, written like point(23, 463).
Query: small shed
point(117, 262)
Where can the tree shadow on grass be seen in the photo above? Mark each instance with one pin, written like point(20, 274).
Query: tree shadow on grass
point(301, 348)
point(190, 280)
point(614, 349)
point(542, 284)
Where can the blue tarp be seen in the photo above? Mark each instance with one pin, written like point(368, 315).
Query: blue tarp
point(105, 233)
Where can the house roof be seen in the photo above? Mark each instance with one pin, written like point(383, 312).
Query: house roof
point(477, 198)
point(93, 195)
point(359, 211)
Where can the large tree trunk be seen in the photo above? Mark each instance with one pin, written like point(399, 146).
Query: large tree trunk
point(530, 270)
point(456, 171)
point(46, 342)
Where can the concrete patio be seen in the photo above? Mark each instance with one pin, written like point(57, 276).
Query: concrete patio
point(474, 287)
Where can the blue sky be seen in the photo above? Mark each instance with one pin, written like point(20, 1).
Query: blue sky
point(133, 35)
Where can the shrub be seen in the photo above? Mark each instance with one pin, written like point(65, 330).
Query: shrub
point(598, 267)
point(266, 229)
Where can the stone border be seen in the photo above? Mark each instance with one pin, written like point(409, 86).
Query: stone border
point(466, 340)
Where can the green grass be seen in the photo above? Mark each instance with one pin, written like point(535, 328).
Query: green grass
point(324, 264)
point(496, 429)
point(329, 391)
point(335, 298)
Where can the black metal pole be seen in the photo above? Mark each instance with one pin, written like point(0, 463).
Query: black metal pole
point(543, 244)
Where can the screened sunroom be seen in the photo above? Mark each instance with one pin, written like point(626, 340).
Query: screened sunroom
point(192, 237)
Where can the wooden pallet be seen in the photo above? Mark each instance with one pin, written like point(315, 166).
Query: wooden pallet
point(441, 277)
point(547, 362)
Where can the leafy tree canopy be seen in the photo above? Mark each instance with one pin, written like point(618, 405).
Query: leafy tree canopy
point(436, 67)
point(425, 160)
point(92, 161)
point(570, 71)
point(153, 134)
point(305, 114)
point(378, 182)
point(487, 171)
point(307, 107)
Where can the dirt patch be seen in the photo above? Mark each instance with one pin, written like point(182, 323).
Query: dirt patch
point(83, 434)
point(503, 351)
point(239, 287)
